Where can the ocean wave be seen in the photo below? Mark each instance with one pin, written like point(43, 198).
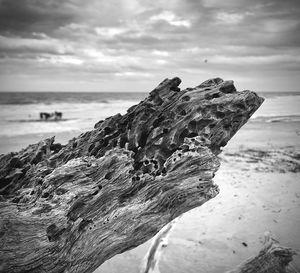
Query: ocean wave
point(276, 118)
point(48, 98)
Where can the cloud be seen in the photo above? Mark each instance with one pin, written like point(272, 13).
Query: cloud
point(229, 18)
point(148, 40)
point(161, 53)
point(110, 32)
point(171, 19)
point(19, 17)
point(61, 60)
point(41, 43)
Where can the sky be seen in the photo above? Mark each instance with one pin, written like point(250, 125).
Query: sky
point(131, 45)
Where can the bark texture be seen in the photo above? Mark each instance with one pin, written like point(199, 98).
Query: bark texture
point(70, 208)
point(272, 258)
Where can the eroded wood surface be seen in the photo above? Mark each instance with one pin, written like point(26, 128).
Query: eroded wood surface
point(272, 258)
point(70, 208)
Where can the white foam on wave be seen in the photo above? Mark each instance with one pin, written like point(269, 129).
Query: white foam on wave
point(285, 107)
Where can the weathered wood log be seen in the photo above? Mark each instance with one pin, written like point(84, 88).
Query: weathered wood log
point(272, 258)
point(70, 208)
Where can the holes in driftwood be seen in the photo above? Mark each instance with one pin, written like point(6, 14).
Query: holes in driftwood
point(75, 210)
point(104, 142)
point(158, 121)
point(15, 162)
point(106, 221)
point(223, 143)
point(135, 178)
point(4, 182)
point(192, 125)
point(241, 106)
point(39, 180)
point(55, 147)
point(185, 148)
point(108, 175)
point(181, 197)
point(114, 142)
point(183, 112)
point(213, 125)
point(123, 141)
point(192, 135)
point(74, 145)
point(16, 200)
point(137, 165)
point(83, 224)
point(220, 114)
point(143, 139)
point(173, 146)
point(227, 126)
point(183, 134)
point(92, 146)
point(165, 130)
point(94, 152)
point(154, 161)
point(54, 233)
point(215, 96)
point(45, 195)
point(203, 123)
point(107, 130)
point(95, 192)
point(186, 98)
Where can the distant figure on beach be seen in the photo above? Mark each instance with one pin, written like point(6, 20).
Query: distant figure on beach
point(57, 115)
point(46, 116)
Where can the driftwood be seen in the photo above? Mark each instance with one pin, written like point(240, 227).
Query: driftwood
point(70, 208)
point(272, 258)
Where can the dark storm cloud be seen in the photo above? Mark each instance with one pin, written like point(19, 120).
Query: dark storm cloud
point(26, 16)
